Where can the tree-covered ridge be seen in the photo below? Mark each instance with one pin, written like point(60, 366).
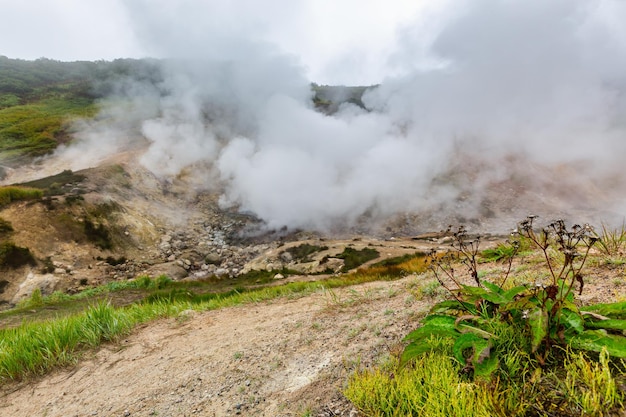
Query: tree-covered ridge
point(40, 99)
point(24, 81)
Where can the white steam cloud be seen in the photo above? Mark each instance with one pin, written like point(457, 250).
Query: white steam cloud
point(513, 106)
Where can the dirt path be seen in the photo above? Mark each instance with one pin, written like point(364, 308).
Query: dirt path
point(289, 357)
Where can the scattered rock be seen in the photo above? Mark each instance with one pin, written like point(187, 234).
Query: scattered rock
point(213, 259)
point(286, 257)
point(46, 284)
point(220, 272)
point(171, 269)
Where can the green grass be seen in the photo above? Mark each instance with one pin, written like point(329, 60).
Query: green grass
point(612, 241)
point(353, 258)
point(5, 227)
point(442, 391)
point(36, 347)
point(36, 128)
point(10, 194)
point(303, 252)
point(492, 367)
point(54, 184)
point(434, 385)
point(256, 276)
point(398, 260)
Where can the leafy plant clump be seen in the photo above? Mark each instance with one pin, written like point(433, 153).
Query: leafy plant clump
point(519, 340)
point(353, 258)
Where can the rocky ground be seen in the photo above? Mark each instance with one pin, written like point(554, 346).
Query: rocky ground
point(287, 357)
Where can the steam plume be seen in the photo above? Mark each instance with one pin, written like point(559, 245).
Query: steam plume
point(517, 105)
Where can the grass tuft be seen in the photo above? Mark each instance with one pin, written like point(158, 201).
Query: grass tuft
point(10, 194)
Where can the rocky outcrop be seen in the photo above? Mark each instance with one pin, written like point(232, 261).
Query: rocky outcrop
point(45, 282)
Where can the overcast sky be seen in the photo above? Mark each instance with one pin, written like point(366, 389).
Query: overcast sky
point(347, 41)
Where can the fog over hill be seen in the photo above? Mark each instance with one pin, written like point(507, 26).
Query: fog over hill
point(519, 106)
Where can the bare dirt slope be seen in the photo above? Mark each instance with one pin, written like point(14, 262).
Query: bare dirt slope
point(282, 358)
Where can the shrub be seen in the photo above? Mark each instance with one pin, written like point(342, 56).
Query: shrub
point(115, 261)
point(98, 234)
point(5, 227)
point(545, 312)
point(13, 256)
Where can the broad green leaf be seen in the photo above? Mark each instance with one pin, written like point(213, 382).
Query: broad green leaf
point(613, 310)
point(595, 340)
point(570, 306)
point(487, 367)
point(466, 341)
point(495, 298)
point(448, 305)
point(414, 350)
point(513, 292)
point(611, 324)
point(427, 331)
point(572, 319)
point(538, 323)
point(434, 324)
point(525, 303)
point(468, 328)
point(483, 362)
point(478, 293)
point(492, 287)
point(471, 290)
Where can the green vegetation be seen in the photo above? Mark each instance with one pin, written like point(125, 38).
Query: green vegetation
point(9, 194)
point(399, 260)
point(36, 347)
point(263, 276)
point(353, 258)
point(5, 227)
point(434, 385)
point(612, 241)
point(40, 99)
point(302, 253)
point(499, 349)
point(55, 184)
point(13, 256)
point(35, 129)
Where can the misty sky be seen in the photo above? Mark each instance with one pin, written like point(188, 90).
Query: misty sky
point(348, 41)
